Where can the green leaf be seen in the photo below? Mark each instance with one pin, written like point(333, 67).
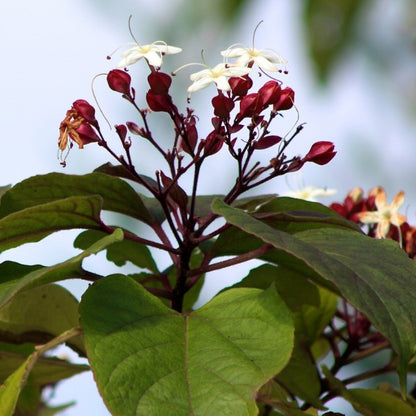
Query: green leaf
point(3, 190)
point(293, 215)
point(250, 203)
point(120, 252)
point(52, 411)
point(34, 223)
point(376, 276)
point(301, 377)
point(311, 320)
point(40, 314)
point(45, 371)
point(370, 402)
point(11, 388)
point(293, 287)
point(208, 362)
point(68, 269)
point(275, 394)
point(117, 195)
point(379, 403)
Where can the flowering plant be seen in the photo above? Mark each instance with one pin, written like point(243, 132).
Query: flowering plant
point(323, 289)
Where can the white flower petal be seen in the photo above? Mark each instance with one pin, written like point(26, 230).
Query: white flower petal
point(169, 50)
point(200, 84)
point(236, 71)
point(234, 52)
point(263, 58)
point(222, 83)
point(152, 53)
point(200, 74)
point(272, 57)
point(154, 58)
point(264, 63)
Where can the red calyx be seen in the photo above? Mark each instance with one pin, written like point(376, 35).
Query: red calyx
point(159, 102)
point(240, 85)
point(119, 81)
point(270, 92)
point(222, 106)
point(286, 100)
point(320, 153)
point(159, 82)
point(86, 111)
point(87, 134)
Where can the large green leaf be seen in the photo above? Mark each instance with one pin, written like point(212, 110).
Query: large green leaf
point(120, 252)
point(69, 269)
point(40, 314)
point(117, 195)
point(150, 360)
point(376, 276)
point(34, 223)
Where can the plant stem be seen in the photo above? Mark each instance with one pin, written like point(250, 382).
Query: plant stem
point(258, 252)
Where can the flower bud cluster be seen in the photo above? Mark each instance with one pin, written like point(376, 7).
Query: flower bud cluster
point(241, 118)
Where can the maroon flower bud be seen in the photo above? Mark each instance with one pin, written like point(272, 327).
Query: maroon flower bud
point(240, 85)
point(320, 153)
point(295, 165)
point(159, 102)
point(121, 130)
point(135, 129)
point(267, 141)
point(86, 111)
point(216, 123)
point(119, 81)
point(159, 82)
point(250, 105)
point(188, 142)
point(87, 134)
point(213, 143)
point(177, 194)
point(270, 92)
point(286, 100)
point(222, 106)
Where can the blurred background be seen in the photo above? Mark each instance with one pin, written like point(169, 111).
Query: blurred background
point(352, 64)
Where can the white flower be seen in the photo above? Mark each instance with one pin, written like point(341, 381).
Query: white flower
point(152, 53)
point(310, 193)
point(217, 75)
point(264, 59)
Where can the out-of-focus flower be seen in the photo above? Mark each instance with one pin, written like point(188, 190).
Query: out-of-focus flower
point(311, 193)
point(153, 54)
point(263, 58)
point(218, 75)
point(385, 215)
